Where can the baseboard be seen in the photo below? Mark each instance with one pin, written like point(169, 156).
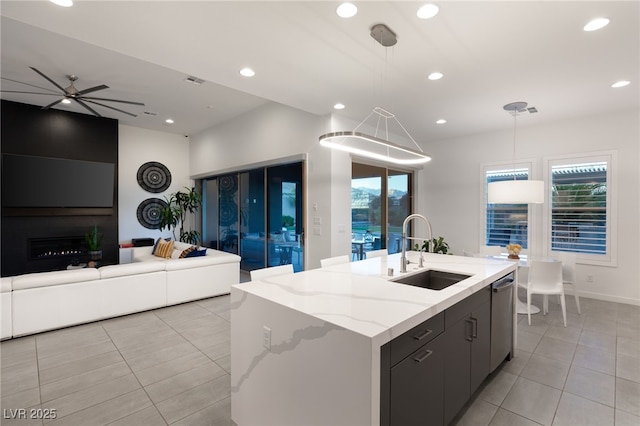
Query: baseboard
point(607, 298)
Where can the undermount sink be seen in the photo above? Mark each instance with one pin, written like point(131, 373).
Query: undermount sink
point(432, 279)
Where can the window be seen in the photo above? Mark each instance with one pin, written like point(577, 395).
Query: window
point(257, 214)
point(505, 223)
point(580, 207)
point(372, 214)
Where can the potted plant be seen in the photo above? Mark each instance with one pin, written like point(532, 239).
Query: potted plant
point(179, 204)
point(439, 246)
point(94, 243)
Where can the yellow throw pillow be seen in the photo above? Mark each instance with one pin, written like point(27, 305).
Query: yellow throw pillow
point(164, 249)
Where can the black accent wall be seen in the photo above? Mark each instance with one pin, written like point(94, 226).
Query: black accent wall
point(30, 130)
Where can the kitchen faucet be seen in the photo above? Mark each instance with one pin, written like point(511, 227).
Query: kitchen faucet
point(403, 259)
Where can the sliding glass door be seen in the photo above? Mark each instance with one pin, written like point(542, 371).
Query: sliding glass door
point(285, 216)
point(257, 214)
point(380, 200)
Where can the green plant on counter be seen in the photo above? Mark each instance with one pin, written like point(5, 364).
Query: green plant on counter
point(439, 246)
point(93, 239)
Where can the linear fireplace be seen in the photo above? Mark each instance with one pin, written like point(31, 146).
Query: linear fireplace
point(71, 248)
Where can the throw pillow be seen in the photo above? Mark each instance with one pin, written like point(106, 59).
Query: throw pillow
point(186, 251)
point(155, 246)
point(164, 249)
point(197, 253)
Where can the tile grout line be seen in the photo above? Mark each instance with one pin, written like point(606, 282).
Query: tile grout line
point(137, 379)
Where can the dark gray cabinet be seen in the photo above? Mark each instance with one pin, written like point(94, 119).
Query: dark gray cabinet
point(467, 343)
point(412, 376)
point(428, 373)
point(417, 385)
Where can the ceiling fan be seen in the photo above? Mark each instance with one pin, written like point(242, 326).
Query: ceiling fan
point(72, 93)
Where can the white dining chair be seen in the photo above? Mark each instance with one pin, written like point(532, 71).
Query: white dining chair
point(569, 273)
point(490, 250)
point(260, 274)
point(468, 254)
point(545, 278)
point(376, 253)
point(334, 260)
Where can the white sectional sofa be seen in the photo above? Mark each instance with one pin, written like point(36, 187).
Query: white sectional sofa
point(5, 307)
point(37, 302)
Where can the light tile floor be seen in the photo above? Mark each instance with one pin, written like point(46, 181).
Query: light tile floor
point(171, 367)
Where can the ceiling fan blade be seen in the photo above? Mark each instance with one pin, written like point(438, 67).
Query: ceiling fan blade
point(49, 80)
point(87, 107)
point(29, 93)
point(53, 104)
point(92, 89)
point(113, 100)
point(32, 85)
point(107, 106)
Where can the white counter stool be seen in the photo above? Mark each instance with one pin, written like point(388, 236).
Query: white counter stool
point(569, 273)
point(260, 274)
point(334, 260)
point(377, 253)
point(545, 278)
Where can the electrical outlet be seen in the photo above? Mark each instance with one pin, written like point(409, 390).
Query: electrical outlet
point(266, 337)
point(589, 278)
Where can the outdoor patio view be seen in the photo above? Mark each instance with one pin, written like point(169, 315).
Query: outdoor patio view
point(380, 200)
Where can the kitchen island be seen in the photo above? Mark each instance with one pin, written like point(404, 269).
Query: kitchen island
point(306, 348)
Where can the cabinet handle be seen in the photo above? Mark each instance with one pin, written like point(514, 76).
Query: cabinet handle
point(474, 329)
point(422, 335)
point(470, 336)
point(421, 357)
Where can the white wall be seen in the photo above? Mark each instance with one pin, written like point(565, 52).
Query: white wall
point(275, 133)
point(136, 147)
point(451, 185)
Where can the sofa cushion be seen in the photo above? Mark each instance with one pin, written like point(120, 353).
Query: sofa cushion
point(164, 249)
point(43, 279)
point(155, 246)
point(125, 269)
point(5, 284)
point(197, 253)
point(185, 252)
point(179, 245)
point(192, 262)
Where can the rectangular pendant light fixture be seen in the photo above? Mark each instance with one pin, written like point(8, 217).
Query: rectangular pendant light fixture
point(373, 147)
point(516, 192)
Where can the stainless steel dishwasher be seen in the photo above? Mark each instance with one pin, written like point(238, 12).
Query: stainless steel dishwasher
point(502, 319)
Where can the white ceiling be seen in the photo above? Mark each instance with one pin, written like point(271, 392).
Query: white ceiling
point(491, 53)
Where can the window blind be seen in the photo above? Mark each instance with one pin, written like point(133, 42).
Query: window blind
point(579, 207)
point(506, 223)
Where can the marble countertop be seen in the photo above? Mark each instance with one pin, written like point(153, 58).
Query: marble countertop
point(360, 297)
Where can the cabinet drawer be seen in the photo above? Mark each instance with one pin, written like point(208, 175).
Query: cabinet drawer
point(463, 307)
point(413, 339)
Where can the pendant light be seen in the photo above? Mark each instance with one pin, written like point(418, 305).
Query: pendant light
point(516, 191)
point(375, 146)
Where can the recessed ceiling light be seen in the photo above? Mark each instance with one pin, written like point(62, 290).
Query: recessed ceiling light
point(338, 106)
point(66, 101)
point(427, 11)
point(596, 24)
point(247, 72)
point(63, 3)
point(620, 83)
point(169, 121)
point(347, 10)
point(441, 121)
point(435, 76)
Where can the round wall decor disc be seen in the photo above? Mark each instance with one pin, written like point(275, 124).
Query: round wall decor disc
point(150, 212)
point(154, 177)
